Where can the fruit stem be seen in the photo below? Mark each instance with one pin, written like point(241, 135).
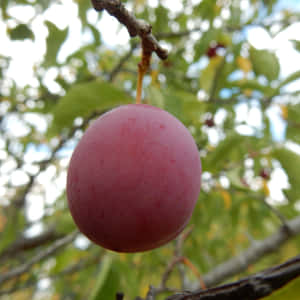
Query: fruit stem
point(143, 67)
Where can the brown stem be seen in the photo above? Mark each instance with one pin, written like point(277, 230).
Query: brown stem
point(143, 67)
point(134, 26)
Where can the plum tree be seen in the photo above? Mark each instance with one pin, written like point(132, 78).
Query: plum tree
point(134, 179)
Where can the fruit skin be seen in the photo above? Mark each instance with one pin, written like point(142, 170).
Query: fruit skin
point(134, 179)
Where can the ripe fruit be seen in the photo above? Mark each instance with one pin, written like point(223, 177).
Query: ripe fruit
point(210, 122)
point(213, 49)
point(134, 179)
point(265, 174)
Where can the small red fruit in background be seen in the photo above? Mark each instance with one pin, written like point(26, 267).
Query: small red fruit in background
point(134, 179)
point(210, 122)
point(212, 51)
point(265, 174)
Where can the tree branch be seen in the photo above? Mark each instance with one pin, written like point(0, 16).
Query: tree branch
point(122, 61)
point(255, 252)
point(24, 244)
point(134, 26)
point(37, 258)
point(68, 271)
point(250, 288)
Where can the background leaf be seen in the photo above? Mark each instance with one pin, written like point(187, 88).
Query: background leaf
point(265, 63)
point(55, 39)
point(21, 32)
point(83, 99)
point(290, 162)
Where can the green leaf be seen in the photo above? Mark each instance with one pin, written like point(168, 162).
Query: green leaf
point(294, 76)
point(83, 99)
point(65, 258)
point(15, 221)
point(217, 159)
point(293, 132)
point(235, 177)
point(21, 32)
point(162, 18)
point(296, 44)
point(294, 112)
point(235, 15)
point(270, 5)
point(55, 39)
point(156, 96)
point(293, 128)
point(207, 9)
point(107, 283)
point(208, 74)
point(96, 34)
point(183, 105)
point(290, 162)
point(4, 5)
point(203, 44)
point(252, 84)
point(83, 6)
point(190, 108)
point(265, 63)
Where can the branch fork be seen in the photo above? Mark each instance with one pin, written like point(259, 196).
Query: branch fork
point(134, 26)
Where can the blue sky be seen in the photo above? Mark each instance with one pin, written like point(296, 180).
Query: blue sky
point(288, 4)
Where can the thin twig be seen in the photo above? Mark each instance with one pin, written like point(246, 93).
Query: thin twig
point(278, 214)
point(28, 243)
point(175, 261)
point(37, 258)
point(122, 61)
point(251, 288)
point(259, 249)
point(134, 26)
point(68, 271)
point(192, 267)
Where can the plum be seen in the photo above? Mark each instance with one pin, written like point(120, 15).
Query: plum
point(134, 179)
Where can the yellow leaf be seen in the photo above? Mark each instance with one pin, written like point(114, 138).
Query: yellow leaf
point(227, 198)
point(139, 3)
point(248, 92)
point(123, 257)
point(154, 77)
point(214, 228)
point(284, 112)
point(266, 188)
point(144, 290)
point(23, 295)
point(244, 64)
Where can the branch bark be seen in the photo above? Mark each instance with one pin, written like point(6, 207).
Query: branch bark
point(250, 288)
point(134, 26)
point(254, 287)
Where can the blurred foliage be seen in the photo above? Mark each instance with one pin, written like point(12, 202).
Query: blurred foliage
point(211, 73)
